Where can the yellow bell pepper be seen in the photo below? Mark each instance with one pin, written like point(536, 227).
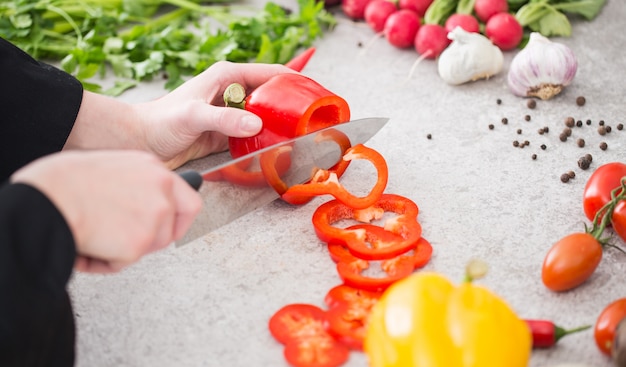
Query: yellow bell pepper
point(426, 321)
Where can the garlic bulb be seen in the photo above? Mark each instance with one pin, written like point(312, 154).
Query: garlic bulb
point(542, 69)
point(470, 56)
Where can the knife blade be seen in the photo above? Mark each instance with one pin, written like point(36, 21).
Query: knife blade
point(237, 187)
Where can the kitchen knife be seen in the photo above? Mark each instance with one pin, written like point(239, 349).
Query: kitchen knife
point(227, 196)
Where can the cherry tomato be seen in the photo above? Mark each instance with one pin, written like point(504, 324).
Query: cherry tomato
point(307, 343)
point(598, 188)
point(571, 261)
point(606, 324)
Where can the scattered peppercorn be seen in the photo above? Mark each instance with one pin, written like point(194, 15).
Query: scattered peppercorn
point(429, 136)
point(580, 142)
point(546, 129)
point(603, 146)
point(519, 131)
point(498, 101)
point(564, 177)
point(527, 117)
point(584, 163)
point(505, 121)
point(534, 156)
point(526, 142)
point(608, 128)
point(579, 123)
point(569, 122)
point(581, 101)
point(567, 131)
point(540, 131)
point(601, 122)
point(620, 127)
point(491, 126)
point(531, 104)
point(588, 157)
point(602, 130)
point(515, 143)
point(571, 174)
point(588, 122)
point(543, 146)
point(563, 137)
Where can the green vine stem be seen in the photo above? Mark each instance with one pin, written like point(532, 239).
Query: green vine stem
point(603, 217)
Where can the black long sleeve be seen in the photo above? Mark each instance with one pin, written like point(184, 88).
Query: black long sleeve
point(38, 108)
point(37, 254)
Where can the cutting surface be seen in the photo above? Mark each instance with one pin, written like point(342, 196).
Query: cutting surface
point(208, 303)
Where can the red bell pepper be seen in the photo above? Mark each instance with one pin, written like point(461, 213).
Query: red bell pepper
point(273, 177)
point(327, 183)
point(351, 269)
point(546, 334)
point(243, 174)
point(405, 225)
point(290, 105)
point(299, 61)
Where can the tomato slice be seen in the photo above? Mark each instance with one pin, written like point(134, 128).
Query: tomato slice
point(300, 327)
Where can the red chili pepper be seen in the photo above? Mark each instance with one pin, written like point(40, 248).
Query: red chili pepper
point(290, 105)
point(546, 334)
point(327, 183)
point(405, 225)
point(299, 61)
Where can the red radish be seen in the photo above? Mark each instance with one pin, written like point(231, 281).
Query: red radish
point(418, 6)
point(354, 9)
point(504, 31)
point(377, 12)
point(465, 21)
point(401, 28)
point(431, 40)
point(485, 9)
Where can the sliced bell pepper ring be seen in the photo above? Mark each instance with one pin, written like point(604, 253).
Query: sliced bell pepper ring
point(290, 105)
point(405, 225)
point(399, 267)
point(242, 175)
point(273, 176)
point(300, 327)
point(331, 185)
point(343, 294)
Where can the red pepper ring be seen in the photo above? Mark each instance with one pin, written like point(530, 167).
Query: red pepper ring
point(238, 173)
point(273, 177)
point(350, 271)
point(331, 185)
point(405, 225)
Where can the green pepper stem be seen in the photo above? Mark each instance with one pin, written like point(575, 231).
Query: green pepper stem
point(604, 216)
point(559, 332)
point(235, 96)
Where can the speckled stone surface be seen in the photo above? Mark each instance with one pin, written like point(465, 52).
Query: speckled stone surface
point(208, 303)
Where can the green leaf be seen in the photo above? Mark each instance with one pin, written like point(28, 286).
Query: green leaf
point(439, 11)
point(465, 6)
point(589, 9)
point(120, 87)
point(532, 13)
point(552, 24)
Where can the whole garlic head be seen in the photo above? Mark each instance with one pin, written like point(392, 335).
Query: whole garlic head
point(542, 69)
point(470, 56)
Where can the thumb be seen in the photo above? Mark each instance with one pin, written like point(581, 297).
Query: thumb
point(229, 121)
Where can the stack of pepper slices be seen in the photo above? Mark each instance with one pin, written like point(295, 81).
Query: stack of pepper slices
point(313, 336)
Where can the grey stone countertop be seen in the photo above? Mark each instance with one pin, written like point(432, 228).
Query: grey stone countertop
point(208, 303)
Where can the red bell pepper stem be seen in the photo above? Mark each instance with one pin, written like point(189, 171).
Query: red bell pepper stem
point(330, 184)
point(299, 61)
point(546, 334)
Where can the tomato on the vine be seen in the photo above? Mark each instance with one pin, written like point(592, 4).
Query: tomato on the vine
point(606, 324)
point(618, 220)
point(571, 261)
point(598, 188)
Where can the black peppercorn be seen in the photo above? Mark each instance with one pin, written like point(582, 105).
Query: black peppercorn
point(531, 104)
point(505, 121)
point(588, 157)
point(519, 131)
point(540, 131)
point(563, 137)
point(564, 177)
point(567, 131)
point(569, 122)
point(498, 101)
point(543, 146)
point(601, 122)
point(580, 142)
point(571, 174)
point(515, 143)
point(620, 126)
point(534, 156)
point(581, 101)
point(603, 146)
point(546, 129)
point(584, 163)
point(579, 123)
point(491, 126)
point(527, 117)
point(588, 122)
point(429, 136)
point(608, 128)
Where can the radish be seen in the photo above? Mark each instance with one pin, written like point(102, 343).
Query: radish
point(504, 31)
point(354, 9)
point(401, 28)
point(431, 40)
point(418, 6)
point(377, 12)
point(485, 9)
point(465, 21)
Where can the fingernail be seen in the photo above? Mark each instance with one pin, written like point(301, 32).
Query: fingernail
point(251, 124)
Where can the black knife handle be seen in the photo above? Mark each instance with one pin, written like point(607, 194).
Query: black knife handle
point(193, 178)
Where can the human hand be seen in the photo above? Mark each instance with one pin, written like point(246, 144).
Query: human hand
point(191, 121)
point(119, 205)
